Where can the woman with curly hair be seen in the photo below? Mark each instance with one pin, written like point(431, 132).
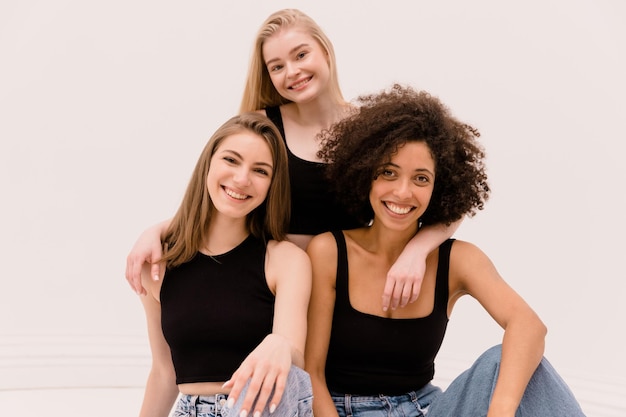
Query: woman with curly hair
point(403, 162)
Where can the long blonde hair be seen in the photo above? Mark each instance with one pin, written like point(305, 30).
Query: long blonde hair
point(259, 91)
point(187, 231)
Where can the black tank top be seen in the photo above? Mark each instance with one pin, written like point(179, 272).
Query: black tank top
point(313, 207)
point(371, 355)
point(215, 310)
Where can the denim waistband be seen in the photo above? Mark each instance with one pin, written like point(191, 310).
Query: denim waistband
point(410, 395)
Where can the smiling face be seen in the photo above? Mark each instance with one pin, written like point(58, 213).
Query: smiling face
point(240, 174)
point(402, 189)
point(297, 64)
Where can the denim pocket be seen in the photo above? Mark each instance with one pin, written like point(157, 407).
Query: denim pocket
point(305, 407)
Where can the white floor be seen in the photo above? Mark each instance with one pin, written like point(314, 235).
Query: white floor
point(90, 402)
point(65, 375)
point(125, 402)
point(104, 376)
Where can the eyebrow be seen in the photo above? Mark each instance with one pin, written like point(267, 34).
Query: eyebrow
point(425, 170)
point(291, 51)
point(238, 155)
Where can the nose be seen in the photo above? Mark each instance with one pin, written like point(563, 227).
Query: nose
point(292, 69)
point(402, 189)
point(242, 176)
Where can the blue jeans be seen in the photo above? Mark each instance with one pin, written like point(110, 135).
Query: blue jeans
point(297, 401)
point(546, 395)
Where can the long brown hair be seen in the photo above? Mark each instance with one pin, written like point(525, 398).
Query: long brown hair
point(187, 231)
point(259, 91)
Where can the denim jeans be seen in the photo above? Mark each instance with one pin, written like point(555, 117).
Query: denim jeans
point(297, 401)
point(546, 395)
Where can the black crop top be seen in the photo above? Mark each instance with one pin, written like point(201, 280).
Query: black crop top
point(313, 207)
point(215, 310)
point(371, 355)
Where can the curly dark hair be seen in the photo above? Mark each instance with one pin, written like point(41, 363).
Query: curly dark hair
point(357, 146)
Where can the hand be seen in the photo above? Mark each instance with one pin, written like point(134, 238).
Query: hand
point(147, 249)
point(404, 281)
point(266, 367)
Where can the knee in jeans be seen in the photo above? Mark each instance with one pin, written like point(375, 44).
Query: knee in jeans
point(491, 356)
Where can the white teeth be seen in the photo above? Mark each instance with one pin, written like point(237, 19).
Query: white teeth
point(300, 84)
point(397, 209)
point(235, 195)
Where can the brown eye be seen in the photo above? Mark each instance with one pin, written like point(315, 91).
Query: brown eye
point(422, 180)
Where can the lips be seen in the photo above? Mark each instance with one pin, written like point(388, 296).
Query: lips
point(300, 83)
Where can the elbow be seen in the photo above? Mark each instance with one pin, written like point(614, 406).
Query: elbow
point(540, 331)
point(528, 327)
point(544, 329)
point(164, 373)
point(165, 380)
point(540, 327)
point(316, 370)
point(318, 381)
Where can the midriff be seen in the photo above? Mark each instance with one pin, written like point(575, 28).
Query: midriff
point(203, 388)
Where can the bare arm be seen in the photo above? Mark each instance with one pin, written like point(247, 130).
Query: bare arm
point(161, 390)
point(147, 248)
point(288, 272)
point(523, 343)
point(404, 280)
point(323, 253)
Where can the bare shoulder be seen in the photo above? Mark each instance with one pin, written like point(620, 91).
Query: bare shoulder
point(469, 265)
point(322, 246)
point(287, 263)
point(286, 251)
point(285, 257)
point(463, 248)
point(323, 253)
point(467, 255)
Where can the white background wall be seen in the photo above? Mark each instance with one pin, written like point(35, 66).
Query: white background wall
point(105, 106)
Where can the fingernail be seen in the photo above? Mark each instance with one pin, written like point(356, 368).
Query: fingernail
point(272, 408)
point(230, 403)
point(243, 413)
point(155, 277)
point(257, 414)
